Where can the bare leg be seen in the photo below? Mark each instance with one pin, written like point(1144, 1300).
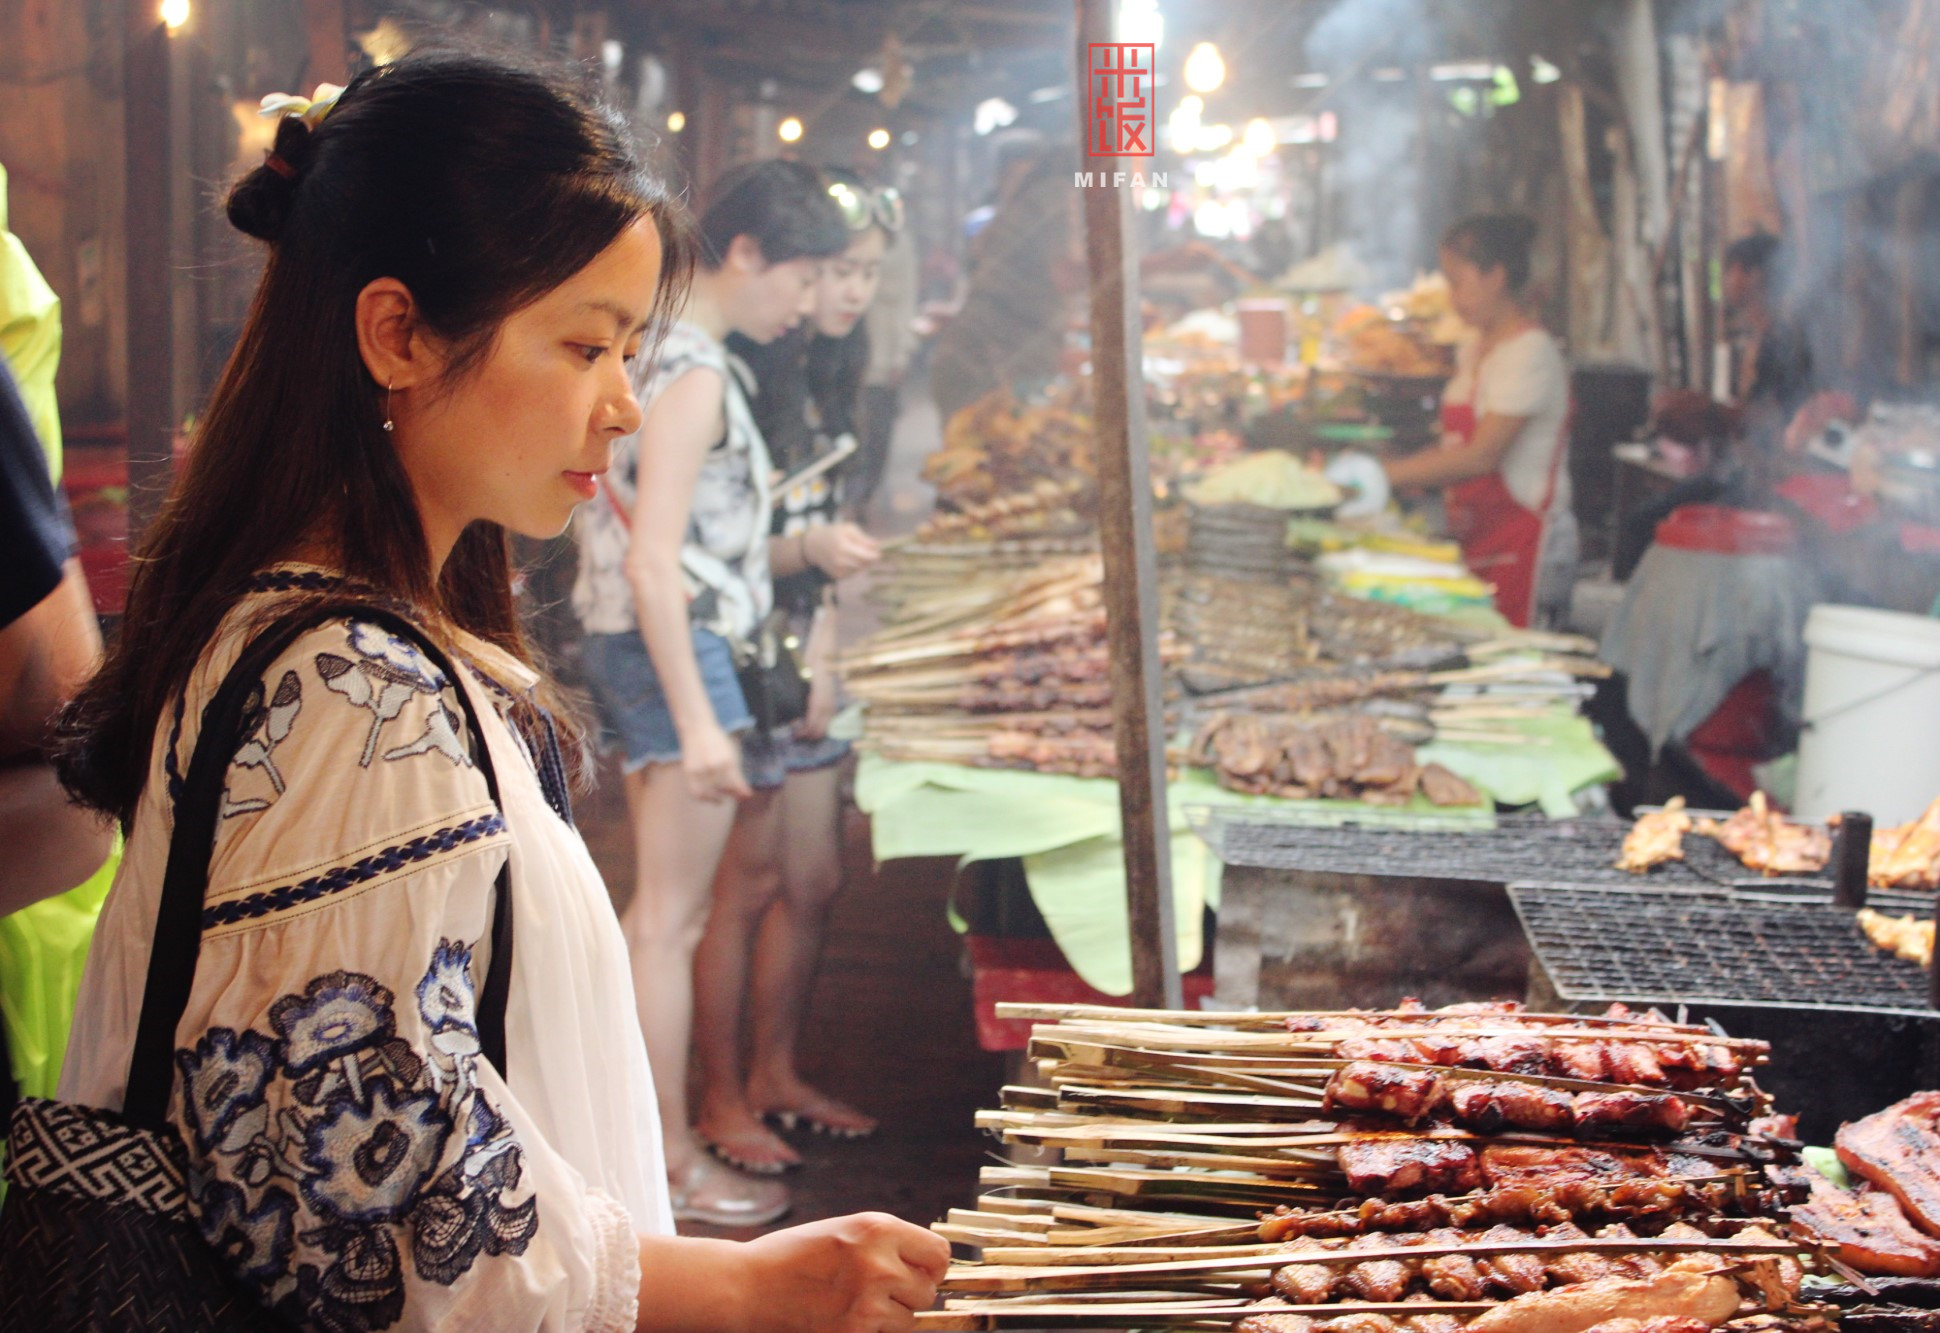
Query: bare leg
point(677, 844)
point(790, 946)
point(746, 886)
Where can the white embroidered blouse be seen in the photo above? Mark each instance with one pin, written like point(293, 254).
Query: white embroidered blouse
point(349, 1152)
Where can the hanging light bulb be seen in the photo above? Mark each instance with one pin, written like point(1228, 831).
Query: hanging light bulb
point(676, 121)
point(175, 14)
point(1259, 138)
point(1205, 68)
point(879, 139)
point(790, 130)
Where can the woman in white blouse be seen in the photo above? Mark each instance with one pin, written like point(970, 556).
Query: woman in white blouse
point(1502, 466)
point(417, 378)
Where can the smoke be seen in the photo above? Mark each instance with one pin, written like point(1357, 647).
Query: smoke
point(1377, 172)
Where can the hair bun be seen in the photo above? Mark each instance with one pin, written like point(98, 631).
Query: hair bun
point(259, 204)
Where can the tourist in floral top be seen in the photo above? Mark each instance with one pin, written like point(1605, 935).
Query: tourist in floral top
point(416, 378)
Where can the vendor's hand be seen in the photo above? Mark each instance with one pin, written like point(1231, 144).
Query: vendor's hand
point(1820, 411)
point(712, 762)
point(868, 1273)
point(840, 549)
point(823, 698)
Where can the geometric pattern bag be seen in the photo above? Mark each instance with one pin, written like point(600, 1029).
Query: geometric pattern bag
point(96, 1232)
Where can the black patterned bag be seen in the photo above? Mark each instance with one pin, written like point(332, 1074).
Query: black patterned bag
point(97, 1233)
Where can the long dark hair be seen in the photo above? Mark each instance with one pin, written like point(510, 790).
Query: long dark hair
point(481, 184)
point(783, 206)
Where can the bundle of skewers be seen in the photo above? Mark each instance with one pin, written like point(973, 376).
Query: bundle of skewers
point(1473, 1168)
point(1009, 668)
point(1010, 672)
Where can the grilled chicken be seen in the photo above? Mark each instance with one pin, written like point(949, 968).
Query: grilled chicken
point(1907, 856)
point(1898, 1150)
point(1904, 937)
point(1769, 843)
point(1656, 838)
point(1306, 1284)
point(1697, 1293)
point(1453, 1277)
point(1509, 1274)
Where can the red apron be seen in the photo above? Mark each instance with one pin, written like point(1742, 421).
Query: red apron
point(1501, 540)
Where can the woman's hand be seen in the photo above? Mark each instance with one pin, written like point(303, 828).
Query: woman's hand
point(824, 676)
point(868, 1273)
point(840, 549)
point(712, 762)
point(822, 701)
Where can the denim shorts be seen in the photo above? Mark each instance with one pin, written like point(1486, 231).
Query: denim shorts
point(632, 707)
point(768, 758)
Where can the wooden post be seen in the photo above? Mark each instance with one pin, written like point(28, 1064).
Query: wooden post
point(150, 155)
point(1125, 532)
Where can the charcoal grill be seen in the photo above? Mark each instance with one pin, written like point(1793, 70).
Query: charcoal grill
point(1670, 947)
point(1447, 846)
point(1850, 1026)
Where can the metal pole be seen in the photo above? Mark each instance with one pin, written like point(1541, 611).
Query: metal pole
point(150, 156)
point(1125, 533)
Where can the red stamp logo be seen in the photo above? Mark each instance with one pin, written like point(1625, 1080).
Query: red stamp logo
point(1122, 100)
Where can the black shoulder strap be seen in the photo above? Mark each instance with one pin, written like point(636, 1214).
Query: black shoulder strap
point(178, 923)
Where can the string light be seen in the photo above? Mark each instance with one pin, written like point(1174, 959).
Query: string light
point(1205, 68)
point(879, 139)
point(676, 121)
point(175, 14)
point(790, 130)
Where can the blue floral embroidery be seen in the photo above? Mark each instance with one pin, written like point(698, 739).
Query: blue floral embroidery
point(388, 672)
point(337, 1015)
point(254, 1242)
point(370, 1161)
point(222, 1084)
point(266, 724)
point(403, 658)
point(375, 1148)
point(445, 1000)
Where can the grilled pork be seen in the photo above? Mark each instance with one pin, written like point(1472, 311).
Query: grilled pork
point(1371, 1085)
point(1402, 1164)
point(1866, 1227)
point(1606, 1113)
point(1898, 1150)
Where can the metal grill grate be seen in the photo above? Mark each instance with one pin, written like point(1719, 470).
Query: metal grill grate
point(1519, 849)
point(1649, 945)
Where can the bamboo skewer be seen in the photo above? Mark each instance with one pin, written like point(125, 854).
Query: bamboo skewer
point(1069, 1276)
point(961, 1317)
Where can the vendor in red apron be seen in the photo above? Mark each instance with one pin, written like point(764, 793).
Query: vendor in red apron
point(1501, 466)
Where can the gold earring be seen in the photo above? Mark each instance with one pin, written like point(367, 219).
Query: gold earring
point(388, 423)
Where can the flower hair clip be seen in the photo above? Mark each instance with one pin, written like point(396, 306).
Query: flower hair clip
point(310, 110)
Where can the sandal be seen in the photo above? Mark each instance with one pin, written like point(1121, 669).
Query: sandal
point(725, 1150)
point(708, 1192)
point(823, 1120)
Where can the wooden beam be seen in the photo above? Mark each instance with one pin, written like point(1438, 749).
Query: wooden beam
point(1131, 565)
point(150, 155)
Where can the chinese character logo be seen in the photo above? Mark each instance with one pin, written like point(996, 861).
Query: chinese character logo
point(1121, 100)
